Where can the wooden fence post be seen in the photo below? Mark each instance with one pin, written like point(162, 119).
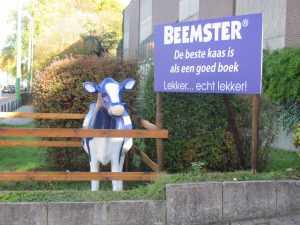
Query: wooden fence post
point(159, 125)
point(255, 131)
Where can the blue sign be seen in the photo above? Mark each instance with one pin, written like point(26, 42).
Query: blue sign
point(209, 56)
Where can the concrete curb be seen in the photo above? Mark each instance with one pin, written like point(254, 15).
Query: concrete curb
point(23, 213)
point(223, 202)
point(249, 200)
point(109, 213)
point(186, 204)
point(191, 203)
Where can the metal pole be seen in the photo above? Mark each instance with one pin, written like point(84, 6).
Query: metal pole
point(19, 49)
point(29, 55)
point(32, 55)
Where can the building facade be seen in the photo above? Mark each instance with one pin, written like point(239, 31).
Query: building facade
point(140, 18)
point(281, 20)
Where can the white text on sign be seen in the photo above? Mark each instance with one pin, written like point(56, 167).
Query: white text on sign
point(219, 31)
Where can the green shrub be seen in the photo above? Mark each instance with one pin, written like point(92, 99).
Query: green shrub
point(198, 129)
point(281, 83)
point(58, 89)
point(268, 126)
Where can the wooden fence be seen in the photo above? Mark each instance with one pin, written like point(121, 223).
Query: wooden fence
point(150, 132)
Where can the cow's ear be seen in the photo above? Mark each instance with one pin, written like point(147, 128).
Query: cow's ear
point(90, 87)
point(128, 84)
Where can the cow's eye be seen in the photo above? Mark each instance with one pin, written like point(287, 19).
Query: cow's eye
point(103, 94)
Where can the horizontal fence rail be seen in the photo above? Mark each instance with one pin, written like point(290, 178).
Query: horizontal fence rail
point(54, 116)
point(80, 133)
point(77, 176)
point(150, 132)
point(57, 116)
point(64, 144)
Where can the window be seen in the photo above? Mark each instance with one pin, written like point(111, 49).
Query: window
point(188, 10)
point(146, 51)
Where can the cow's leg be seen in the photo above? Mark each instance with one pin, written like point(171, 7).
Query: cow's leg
point(115, 167)
point(94, 167)
point(126, 147)
point(115, 148)
point(120, 182)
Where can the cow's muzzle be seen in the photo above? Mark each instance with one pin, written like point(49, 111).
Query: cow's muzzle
point(116, 110)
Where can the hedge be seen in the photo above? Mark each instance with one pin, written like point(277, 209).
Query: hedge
point(198, 129)
point(58, 89)
point(281, 83)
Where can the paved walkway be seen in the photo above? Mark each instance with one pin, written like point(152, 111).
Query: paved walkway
point(19, 121)
point(284, 220)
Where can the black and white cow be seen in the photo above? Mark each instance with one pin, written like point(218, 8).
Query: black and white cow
point(108, 113)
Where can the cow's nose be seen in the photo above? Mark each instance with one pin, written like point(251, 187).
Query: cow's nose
point(117, 110)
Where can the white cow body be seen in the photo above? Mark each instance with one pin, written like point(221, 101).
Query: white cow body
point(104, 116)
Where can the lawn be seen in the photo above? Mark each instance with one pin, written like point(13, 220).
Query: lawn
point(20, 158)
point(280, 160)
point(29, 159)
point(154, 190)
point(281, 165)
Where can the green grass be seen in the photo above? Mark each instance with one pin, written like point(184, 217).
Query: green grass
point(30, 159)
point(151, 191)
point(281, 165)
point(20, 158)
point(280, 160)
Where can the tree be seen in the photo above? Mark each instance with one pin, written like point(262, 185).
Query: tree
point(8, 59)
point(60, 24)
point(9, 51)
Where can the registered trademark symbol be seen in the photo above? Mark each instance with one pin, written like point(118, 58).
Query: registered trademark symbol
point(245, 23)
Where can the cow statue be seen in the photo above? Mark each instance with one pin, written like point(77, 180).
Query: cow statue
point(108, 113)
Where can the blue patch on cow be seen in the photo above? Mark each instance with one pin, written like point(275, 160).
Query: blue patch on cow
point(102, 120)
point(120, 153)
point(88, 146)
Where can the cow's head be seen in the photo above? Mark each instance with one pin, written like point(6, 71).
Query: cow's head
point(110, 94)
